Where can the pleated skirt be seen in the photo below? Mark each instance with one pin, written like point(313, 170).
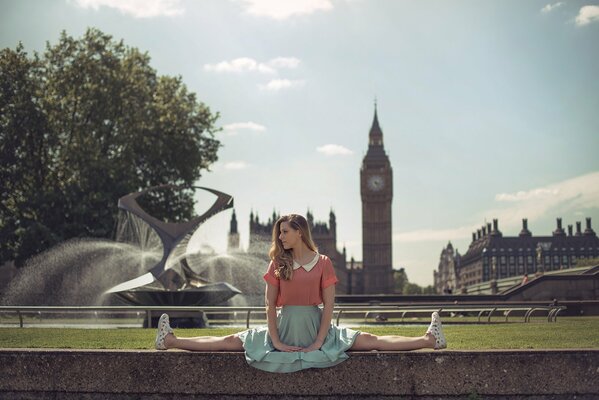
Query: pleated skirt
point(297, 326)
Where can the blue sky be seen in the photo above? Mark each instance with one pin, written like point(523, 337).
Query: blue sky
point(489, 109)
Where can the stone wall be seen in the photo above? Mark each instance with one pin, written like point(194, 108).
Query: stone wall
point(97, 374)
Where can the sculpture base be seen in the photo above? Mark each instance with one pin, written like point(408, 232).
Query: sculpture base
point(207, 295)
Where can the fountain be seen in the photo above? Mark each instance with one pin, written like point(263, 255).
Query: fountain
point(151, 262)
point(171, 282)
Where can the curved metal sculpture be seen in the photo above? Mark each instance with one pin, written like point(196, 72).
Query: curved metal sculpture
point(171, 281)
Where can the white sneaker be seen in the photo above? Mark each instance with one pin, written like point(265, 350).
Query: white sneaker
point(164, 328)
point(436, 329)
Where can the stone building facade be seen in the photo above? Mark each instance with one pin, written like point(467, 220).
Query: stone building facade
point(492, 256)
point(376, 189)
point(446, 279)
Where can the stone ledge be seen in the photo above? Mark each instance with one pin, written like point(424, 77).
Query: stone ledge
point(539, 374)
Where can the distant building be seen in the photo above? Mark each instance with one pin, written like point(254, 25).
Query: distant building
point(373, 274)
point(376, 190)
point(447, 277)
point(492, 256)
point(233, 242)
point(323, 234)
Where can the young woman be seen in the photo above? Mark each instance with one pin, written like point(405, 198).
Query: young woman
point(301, 336)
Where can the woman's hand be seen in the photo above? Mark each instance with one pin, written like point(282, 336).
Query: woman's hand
point(283, 347)
point(314, 346)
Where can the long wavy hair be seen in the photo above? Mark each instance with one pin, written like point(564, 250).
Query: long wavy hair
point(284, 258)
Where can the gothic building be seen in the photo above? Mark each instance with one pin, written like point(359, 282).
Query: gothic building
point(233, 242)
point(492, 256)
point(376, 188)
point(323, 234)
point(374, 273)
point(447, 278)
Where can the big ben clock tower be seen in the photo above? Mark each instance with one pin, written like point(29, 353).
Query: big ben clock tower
point(376, 188)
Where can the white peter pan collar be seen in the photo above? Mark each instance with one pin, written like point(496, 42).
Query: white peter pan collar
point(308, 267)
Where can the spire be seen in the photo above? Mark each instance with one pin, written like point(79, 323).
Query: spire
point(233, 227)
point(376, 134)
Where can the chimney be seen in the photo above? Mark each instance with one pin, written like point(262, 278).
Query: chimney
point(474, 236)
point(589, 231)
point(525, 232)
point(569, 230)
point(484, 231)
point(578, 229)
point(489, 228)
point(478, 233)
point(559, 231)
point(496, 228)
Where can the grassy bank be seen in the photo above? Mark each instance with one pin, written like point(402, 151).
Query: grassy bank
point(567, 332)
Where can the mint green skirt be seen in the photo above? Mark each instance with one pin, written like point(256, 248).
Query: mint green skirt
point(298, 326)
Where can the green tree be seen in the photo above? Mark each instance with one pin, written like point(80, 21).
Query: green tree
point(404, 286)
point(401, 279)
point(83, 124)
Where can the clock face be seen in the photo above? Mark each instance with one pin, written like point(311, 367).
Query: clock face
point(376, 183)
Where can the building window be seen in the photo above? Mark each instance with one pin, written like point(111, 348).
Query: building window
point(520, 260)
point(502, 259)
point(529, 260)
point(556, 260)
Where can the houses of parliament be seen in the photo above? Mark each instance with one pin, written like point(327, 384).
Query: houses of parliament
point(372, 275)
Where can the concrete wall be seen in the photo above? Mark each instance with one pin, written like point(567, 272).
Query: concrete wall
point(148, 374)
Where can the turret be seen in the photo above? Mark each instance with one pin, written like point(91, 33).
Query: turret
point(233, 225)
point(589, 231)
point(559, 231)
point(525, 232)
point(333, 223)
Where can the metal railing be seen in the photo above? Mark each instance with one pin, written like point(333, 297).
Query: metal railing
point(403, 310)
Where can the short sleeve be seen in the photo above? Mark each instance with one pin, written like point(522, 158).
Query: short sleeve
point(328, 274)
point(269, 276)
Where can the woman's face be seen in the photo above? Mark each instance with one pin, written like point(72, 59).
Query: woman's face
point(290, 237)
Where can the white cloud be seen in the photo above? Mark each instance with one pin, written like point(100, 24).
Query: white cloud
point(236, 165)
point(587, 14)
point(334, 150)
point(528, 195)
point(241, 64)
point(283, 9)
point(279, 84)
point(284, 62)
point(245, 64)
point(232, 129)
point(137, 8)
point(572, 195)
point(551, 7)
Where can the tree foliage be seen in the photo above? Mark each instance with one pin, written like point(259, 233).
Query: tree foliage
point(404, 286)
point(83, 124)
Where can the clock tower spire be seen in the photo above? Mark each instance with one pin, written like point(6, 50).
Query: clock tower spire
point(376, 188)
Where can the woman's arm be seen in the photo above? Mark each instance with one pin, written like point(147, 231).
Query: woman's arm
point(272, 292)
point(328, 300)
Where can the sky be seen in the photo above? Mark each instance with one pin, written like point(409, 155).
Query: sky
point(489, 109)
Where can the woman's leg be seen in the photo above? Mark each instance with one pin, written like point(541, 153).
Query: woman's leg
point(433, 338)
point(367, 341)
point(204, 343)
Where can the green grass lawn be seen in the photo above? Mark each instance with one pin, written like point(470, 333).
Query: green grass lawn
point(567, 332)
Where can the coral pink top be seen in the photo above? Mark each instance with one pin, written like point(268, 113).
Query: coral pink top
point(304, 288)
